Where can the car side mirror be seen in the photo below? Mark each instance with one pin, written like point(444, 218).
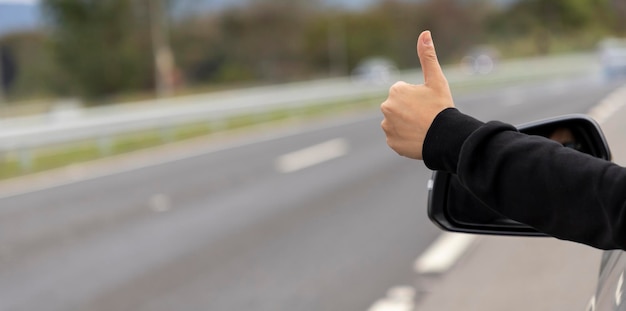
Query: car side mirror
point(453, 208)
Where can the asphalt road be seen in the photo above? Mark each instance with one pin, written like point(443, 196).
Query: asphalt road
point(247, 225)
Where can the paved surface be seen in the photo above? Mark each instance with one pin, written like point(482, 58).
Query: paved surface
point(222, 227)
point(513, 273)
point(504, 273)
point(223, 230)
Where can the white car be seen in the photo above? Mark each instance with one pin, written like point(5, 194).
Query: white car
point(612, 53)
point(376, 70)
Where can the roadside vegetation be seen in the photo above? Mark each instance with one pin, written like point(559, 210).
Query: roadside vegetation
point(104, 51)
point(15, 164)
point(101, 52)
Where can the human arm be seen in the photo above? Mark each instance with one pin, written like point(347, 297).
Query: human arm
point(533, 180)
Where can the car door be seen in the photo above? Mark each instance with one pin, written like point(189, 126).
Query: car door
point(610, 289)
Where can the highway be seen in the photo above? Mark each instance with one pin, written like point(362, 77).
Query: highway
point(322, 216)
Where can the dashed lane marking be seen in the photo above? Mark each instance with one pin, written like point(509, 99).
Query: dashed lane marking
point(160, 203)
point(609, 105)
point(310, 156)
point(162, 155)
point(400, 298)
point(443, 253)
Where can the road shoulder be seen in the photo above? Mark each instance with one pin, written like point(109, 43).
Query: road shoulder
point(511, 273)
point(514, 273)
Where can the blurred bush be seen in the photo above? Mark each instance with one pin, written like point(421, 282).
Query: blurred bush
point(103, 50)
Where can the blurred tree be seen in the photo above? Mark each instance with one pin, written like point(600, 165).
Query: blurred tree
point(545, 20)
point(619, 8)
point(455, 25)
point(196, 43)
point(265, 38)
point(372, 34)
point(101, 45)
point(390, 28)
point(104, 46)
point(7, 69)
point(32, 65)
point(260, 41)
point(338, 40)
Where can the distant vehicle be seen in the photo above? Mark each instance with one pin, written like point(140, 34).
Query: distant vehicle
point(612, 53)
point(375, 70)
point(480, 59)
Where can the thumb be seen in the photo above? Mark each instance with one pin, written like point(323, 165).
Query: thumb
point(433, 75)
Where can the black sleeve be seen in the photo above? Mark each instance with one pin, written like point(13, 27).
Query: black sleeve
point(531, 179)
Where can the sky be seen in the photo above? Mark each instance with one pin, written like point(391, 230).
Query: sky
point(25, 2)
point(17, 15)
point(23, 14)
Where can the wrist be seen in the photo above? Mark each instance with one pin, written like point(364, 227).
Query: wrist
point(445, 137)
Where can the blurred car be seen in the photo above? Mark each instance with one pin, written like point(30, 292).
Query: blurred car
point(612, 52)
point(480, 59)
point(375, 70)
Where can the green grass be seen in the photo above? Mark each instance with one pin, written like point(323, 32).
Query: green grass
point(60, 156)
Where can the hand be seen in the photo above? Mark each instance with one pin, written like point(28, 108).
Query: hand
point(563, 136)
point(410, 109)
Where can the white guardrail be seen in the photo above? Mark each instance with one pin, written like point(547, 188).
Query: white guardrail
point(25, 134)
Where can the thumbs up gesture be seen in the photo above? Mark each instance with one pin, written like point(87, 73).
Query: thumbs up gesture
point(410, 109)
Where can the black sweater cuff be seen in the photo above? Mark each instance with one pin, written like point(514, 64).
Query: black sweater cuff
point(445, 137)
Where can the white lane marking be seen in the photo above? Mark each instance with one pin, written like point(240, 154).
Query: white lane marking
point(591, 305)
point(400, 298)
point(443, 253)
point(160, 203)
point(609, 105)
point(618, 290)
point(43, 181)
point(310, 156)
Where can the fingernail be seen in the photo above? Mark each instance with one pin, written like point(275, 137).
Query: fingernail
point(427, 40)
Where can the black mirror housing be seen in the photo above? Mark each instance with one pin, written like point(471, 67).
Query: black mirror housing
point(454, 208)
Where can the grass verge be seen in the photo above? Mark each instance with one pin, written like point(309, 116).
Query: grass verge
point(17, 164)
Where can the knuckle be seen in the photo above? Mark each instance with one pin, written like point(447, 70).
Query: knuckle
point(397, 87)
point(384, 107)
point(388, 108)
point(431, 56)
